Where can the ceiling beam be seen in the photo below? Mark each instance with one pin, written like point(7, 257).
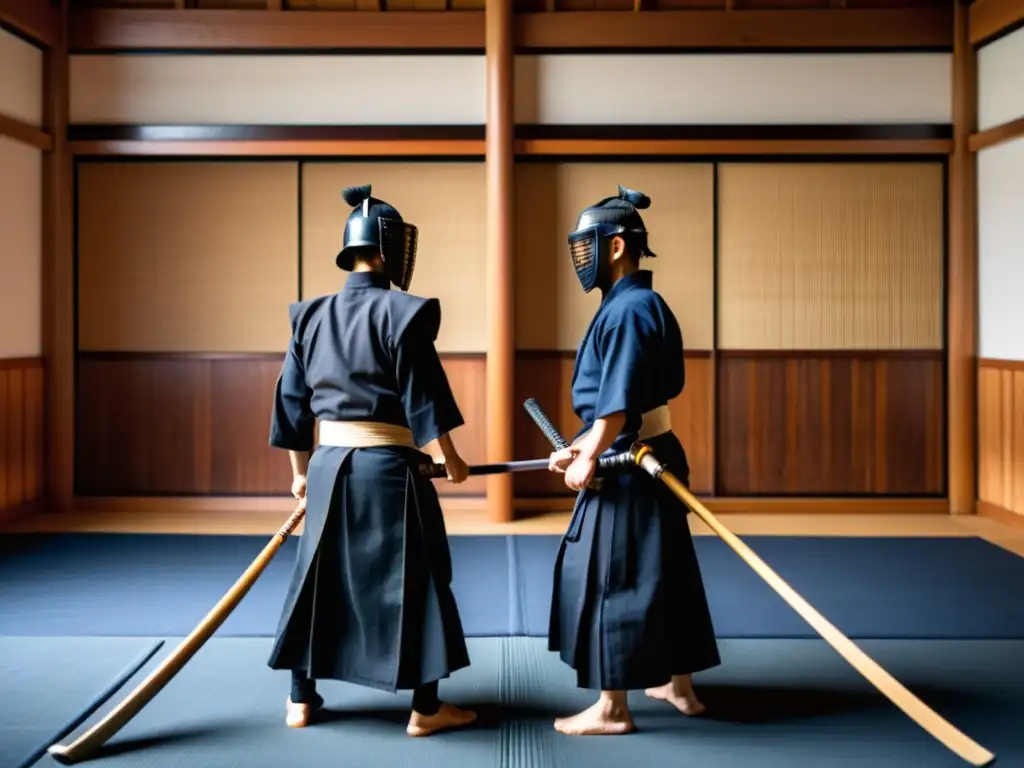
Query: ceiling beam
point(899, 28)
point(37, 20)
point(206, 30)
point(990, 18)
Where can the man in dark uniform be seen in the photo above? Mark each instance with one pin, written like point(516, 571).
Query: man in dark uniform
point(628, 609)
point(370, 599)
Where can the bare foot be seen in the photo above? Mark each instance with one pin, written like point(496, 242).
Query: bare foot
point(448, 716)
point(299, 715)
point(680, 694)
point(602, 719)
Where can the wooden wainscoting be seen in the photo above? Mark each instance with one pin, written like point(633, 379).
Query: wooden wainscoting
point(152, 424)
point(21, 434)
point(831, 423)
point(547, 377)
point(1001, 436)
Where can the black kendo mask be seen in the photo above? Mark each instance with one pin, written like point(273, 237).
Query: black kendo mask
point(590, 242)
point(375, 224)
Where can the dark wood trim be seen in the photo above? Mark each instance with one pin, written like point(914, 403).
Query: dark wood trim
point(834, 354)
point(997, 134)
point(523, 132)
point(286, 148)
point(38, 21)
point(237, 31)
point(991, 19)
point(278, 133)
point(129, 356)
point(733, 132)
point(110, 356)
point(21, 363)
point(1000, 365)
point(569, 354)
point(962, 279)
point(25, 133)
point(469, 141)
point(728, 148)
point(808, 30)
point(1000, 514)
point(10, 516)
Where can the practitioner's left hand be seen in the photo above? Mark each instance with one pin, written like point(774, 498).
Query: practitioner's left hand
point(580, 473)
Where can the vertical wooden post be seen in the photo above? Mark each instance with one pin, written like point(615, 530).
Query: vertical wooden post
point(500, 321)
point(58, 279)
point(962, 276)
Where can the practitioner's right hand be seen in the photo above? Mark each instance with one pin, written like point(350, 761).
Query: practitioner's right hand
point(560, 460)
point(457, 469)
point(299, 487)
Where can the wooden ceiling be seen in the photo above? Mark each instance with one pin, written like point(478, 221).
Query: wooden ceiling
point(523, 6)
point(539, 25)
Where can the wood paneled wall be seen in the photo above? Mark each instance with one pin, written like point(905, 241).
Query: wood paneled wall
point(546, 376)
point(825, 424)
point(21, 432)
point(198, 424)
point(809, 294)
point(1001, 434)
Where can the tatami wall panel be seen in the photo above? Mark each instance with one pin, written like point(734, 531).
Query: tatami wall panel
point(447, 201)
point(831, 256)
point(552, 311)
point(186, 257)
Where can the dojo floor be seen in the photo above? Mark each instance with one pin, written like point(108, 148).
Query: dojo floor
point(773, 702)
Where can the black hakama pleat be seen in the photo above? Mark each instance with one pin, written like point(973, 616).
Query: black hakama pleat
point(628, 608)
point(370, 599)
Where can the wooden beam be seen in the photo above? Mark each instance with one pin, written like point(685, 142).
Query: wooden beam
point(280, 148)
point(989, 18)
point(533, 140)
point(962, 278)
point(727, 147)
point(25, 133)
point(997, 134)
point(902, 28)
point(58, 279)
point(98, 29)
point(38, 20)
point(500, 291)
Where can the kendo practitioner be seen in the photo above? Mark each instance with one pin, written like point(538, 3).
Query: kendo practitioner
point(628, 608)
point(370, 600)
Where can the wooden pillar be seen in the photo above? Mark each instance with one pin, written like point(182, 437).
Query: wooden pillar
point(500, 320)
point(962, 277)
point(58, 278)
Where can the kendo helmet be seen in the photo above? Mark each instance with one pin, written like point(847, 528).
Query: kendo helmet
point(378, 225)
point(597, 225)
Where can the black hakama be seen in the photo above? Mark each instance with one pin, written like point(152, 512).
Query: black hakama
point(628, 606)
point(370, 600)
